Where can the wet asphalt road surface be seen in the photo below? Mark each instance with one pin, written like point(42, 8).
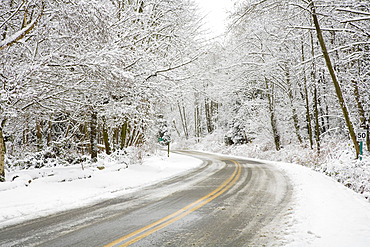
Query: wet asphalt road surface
point(225, 202)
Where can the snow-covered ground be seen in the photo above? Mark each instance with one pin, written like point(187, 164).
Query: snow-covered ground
point(323, 212)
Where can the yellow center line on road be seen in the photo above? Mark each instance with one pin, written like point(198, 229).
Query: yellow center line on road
point(156, 226)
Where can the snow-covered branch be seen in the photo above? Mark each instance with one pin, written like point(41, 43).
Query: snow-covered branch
point(336, 49)
point(353, 11)
point(357, 19)
point(325, 29)
point(14, 13)
point(171, 68)
point(23, 32)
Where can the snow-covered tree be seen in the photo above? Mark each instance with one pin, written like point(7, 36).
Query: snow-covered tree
point(18, 22)
point(89, 72)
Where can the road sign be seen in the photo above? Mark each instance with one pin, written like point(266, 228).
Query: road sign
point(361, 135)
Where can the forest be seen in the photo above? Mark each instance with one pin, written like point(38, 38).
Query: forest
point(81, 78)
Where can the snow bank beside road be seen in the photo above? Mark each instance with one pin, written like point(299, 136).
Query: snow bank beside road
point(39, 192)
point(325, 213)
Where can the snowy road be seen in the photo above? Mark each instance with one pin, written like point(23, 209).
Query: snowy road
point(225, 202)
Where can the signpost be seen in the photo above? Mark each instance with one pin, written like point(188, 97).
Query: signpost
point(361, 138)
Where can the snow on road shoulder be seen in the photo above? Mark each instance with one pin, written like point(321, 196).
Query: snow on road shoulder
point(40, 192)
point(325, 213)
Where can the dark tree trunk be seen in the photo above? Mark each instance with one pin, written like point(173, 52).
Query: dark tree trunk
point(291, 99)
point(317, 123)
point(209, 112)
point(308, 116)
point(93, 136)
point(361, 111)
point(39, 135)
point(49, 134)
point(183, 120)
point(106, 138)
point(2, 153)
point(315, 98)
point(270, 97)
point(123, 135)
point(196, 122)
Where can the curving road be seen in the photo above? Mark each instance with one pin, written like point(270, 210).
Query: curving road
point(223, 203)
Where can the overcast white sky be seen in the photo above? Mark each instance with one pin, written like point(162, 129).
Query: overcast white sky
point(215, 11)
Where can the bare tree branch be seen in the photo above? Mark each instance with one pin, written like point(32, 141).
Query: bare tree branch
point(171, 68)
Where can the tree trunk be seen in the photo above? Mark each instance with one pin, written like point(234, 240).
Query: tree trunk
point(2, 153)
point(123, 135)
point(131, 133)
point(208, 112)
point(99, 135)
point(86, 138)
point(24, 137)
point(368, 137)
point(175, 127)
point(317, 123)
point(315, 98)
point(334, 79)
point(291, 99)
point(197, 122)
point(115, 139)
point(214, 113)
point(361, 111)
point(308, 117)
point(322, 104)
point(106, 137)
point(183, 121)
point(93, 137)
point(67, 131)
point(270, 97)
point(49, 134)
point(39, 135)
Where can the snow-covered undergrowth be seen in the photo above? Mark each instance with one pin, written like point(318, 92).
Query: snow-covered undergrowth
point(336, 159)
